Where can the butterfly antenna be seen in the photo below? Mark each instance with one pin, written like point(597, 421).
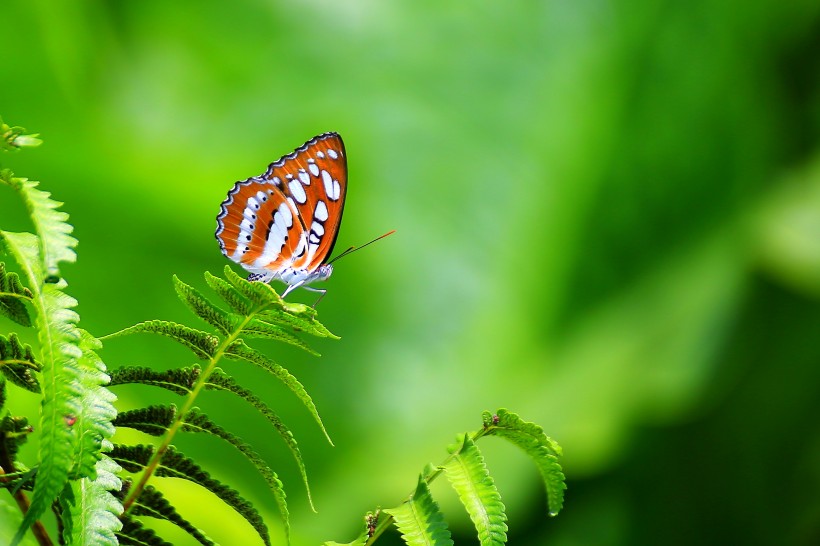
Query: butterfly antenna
point(354, 248)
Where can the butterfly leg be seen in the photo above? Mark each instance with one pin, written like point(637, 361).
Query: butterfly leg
point(291, 288)
point(319, 290)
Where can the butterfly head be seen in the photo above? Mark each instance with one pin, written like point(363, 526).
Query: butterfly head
point(323, 272)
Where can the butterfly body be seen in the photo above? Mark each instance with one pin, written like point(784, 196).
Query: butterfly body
point(283, 224)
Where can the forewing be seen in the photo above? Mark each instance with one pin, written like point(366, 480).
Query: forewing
point(289, 216)
point(314, 180)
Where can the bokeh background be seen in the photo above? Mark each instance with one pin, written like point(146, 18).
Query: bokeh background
point(608, 221)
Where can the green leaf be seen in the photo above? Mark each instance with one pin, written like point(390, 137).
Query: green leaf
point(62, 387)
point(153, 504)
point(471, 480)
point(544, 451)
point(419, 519)
point(134, 534)
point(90, 512)
point(13, 138)
point(13, 296)
point(55, 241)
point(239, 303)
point(18, 364)
point(153, 420)
point(219, 380)
point(259, 293)
point(204, 309)
point(156, 420)
point(94, 422)
point(181, 381)
point(240, 350)
point(257, 328)
point(199, 422)
point(176, 465)
point(201, 343)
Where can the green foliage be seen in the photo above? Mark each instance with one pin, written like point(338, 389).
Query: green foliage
point(93, 510)
point(13, 296)
point(153, 504)
point(176, 465)
point(17, 363)
point(419, 519)
point(133, 533)
point(255, 310)
point(541, 449)
point(76, 408)
point(471, 480)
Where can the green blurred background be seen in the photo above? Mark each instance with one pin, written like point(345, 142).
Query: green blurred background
point(608, 221)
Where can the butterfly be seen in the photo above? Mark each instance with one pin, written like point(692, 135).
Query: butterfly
point(282, 225)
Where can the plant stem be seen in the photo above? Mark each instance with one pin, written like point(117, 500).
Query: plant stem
point(179, 418)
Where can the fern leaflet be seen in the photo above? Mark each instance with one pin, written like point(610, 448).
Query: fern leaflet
point(471, 480)
point(90, 513)
point(544, 451)
point(239, 350)
point(18, 364)
point(176, 465)
point(13, 296)
point(153, 504)
point(419, 519)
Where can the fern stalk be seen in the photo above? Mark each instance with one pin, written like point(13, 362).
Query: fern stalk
point(179, 418)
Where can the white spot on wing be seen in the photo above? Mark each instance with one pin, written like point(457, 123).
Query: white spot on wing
point(321, 211)
point(328, 182)
point(320, 155)
point(298, 191)
point(337, 190)
point(304, 177)
point(314, 170)
point(317, 228)
point(332, 154)
point(284, 210)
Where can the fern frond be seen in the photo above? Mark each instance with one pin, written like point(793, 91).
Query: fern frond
point(94, 423)
point(299, 319)
point(153, 420)
point(14, 433)
point(256, 328)
point(54, 233)
point(419, 519)
point(153, 504)
point(204, 309)
point(471, 480)
point(134, 534)
point(176, 465)
point(196, 421)
point(62, 387)
point(239, 303)
point(13, 296)
point(219, 380)
point(239, 350)
point(156, 420)
point(18, 364)
point(260, 294)
point(201, 343)
point(544, 451)
point(276, 311)
point(90, 513)
point(180, 381)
